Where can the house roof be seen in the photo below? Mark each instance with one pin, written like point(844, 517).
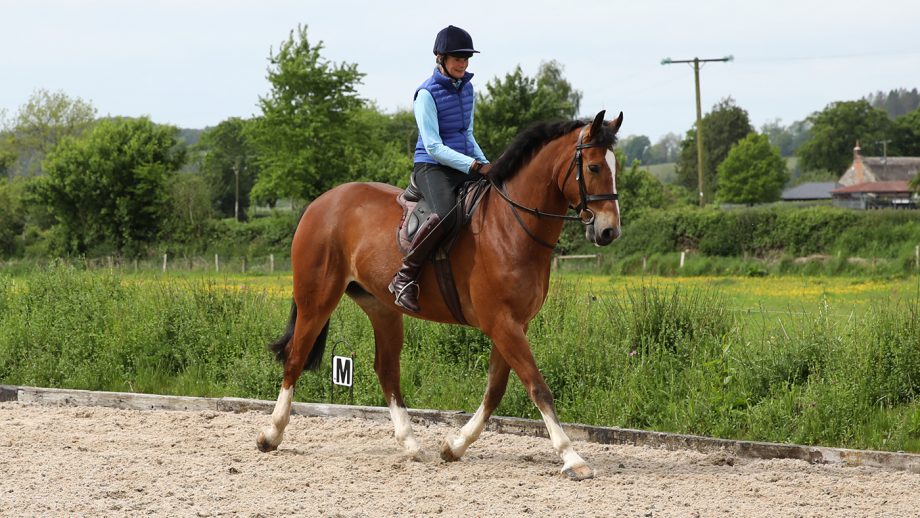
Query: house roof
point(809, 191)
point(892, 168)
point(898, 186)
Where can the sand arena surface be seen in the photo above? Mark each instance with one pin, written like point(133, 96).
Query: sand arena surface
point(79, 461)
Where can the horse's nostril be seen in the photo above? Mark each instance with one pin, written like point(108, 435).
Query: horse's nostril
point(609, 234)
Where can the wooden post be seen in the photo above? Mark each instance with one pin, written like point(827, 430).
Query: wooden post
point(216, 264)
point(917, 256)
point(683, 255)
point(644, 263)
point(271, 263)
point(164, 263)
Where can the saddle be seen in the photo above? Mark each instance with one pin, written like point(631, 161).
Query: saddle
point(416, 210)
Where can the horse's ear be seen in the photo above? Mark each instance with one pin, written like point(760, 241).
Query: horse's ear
point(596, 125)
point(614, 125)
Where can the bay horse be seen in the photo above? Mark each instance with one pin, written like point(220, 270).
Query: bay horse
point(345, 243)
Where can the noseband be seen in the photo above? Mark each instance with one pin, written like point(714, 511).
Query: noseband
point(576, 165)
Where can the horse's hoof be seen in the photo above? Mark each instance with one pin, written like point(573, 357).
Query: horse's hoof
point(447, 454)
point(263, 444)
point(576, 473)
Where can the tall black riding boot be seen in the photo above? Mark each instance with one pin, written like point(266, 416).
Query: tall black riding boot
point(405, 285)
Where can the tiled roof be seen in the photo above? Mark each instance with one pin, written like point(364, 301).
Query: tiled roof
point(879, 187)
point(810, 191)
point(892, 168)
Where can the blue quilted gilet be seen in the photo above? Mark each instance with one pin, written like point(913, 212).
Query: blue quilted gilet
point(455, 111)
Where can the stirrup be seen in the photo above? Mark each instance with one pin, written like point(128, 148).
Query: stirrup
point(399, 295)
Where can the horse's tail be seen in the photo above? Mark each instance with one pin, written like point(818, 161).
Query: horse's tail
point(279, 346)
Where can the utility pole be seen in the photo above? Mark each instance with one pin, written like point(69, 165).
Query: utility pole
point(236, 200)
point(699, 113)
point(884, 144)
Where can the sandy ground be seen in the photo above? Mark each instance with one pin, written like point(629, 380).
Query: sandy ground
point(90, 461)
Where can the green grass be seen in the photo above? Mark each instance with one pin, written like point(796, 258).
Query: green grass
point(830, 361)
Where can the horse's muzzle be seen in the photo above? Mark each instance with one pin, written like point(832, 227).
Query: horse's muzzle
point(601, 232)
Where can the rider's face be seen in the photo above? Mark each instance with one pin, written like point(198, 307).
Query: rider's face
point(455, 66)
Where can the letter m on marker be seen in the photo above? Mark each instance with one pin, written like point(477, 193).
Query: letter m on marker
point(342, 370)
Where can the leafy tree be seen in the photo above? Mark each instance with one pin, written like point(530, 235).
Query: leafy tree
point(636, 147)
point(108, 190)
point(906, 135)
point(229, 166)
point(189, 208)
point(753, 172)
point(44, 121)
point(786, 138)
point(896, 102)
point(7, 159)
point(640, 190)
point(510, 105)
point(665, 151)
point(725, 125)
point(379, 146)
point(12, 215)
point(305, 128)
point(836, 129)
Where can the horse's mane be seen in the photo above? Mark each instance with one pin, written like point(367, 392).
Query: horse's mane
point(526, 144)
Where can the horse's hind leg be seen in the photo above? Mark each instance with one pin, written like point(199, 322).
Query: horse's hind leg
point(305, 347)
point(455, 446)
point(388, 339)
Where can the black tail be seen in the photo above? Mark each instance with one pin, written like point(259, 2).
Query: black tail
point(279, 346)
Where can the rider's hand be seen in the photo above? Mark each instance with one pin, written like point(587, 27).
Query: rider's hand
point(484, 170)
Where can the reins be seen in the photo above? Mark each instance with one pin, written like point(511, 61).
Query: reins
point(577, 164)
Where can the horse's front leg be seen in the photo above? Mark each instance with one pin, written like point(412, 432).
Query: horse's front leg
point(454, 446)
point(511, 341)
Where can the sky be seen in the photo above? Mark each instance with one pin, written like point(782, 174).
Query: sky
point(195, 63)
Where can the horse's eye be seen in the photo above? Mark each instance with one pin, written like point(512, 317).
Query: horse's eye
point(594, 168)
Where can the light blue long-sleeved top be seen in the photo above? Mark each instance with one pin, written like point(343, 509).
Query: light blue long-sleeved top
point(426, 116)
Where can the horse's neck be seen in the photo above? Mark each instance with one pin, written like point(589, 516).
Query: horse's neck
point(535, 186)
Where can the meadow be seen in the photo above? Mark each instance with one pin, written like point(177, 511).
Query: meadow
point(816, 360)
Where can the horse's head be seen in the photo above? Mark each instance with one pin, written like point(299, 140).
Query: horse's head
point(593, 194)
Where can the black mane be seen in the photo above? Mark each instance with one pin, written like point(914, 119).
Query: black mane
point(526, 144)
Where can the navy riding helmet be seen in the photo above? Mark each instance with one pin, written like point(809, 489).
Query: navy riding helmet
point(454, 40)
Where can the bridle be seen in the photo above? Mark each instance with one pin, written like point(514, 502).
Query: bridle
point(577, 165)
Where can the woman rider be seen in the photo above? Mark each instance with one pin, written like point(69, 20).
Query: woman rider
point(446, 154)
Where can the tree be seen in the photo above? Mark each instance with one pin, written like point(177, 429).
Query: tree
point(753, 172)
point(305, 127)
point(44, 121)
point(12, 215)
point(379, 146)
point(834, 132)
point(896, 102)
point(510, 105)
point(189, 208)
point(639, 190)
point(725, 125)
point(229, 166)
point(108, 190)
point(786, 138)
point(636, 148)
point(665, 151)
point(906, 135)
